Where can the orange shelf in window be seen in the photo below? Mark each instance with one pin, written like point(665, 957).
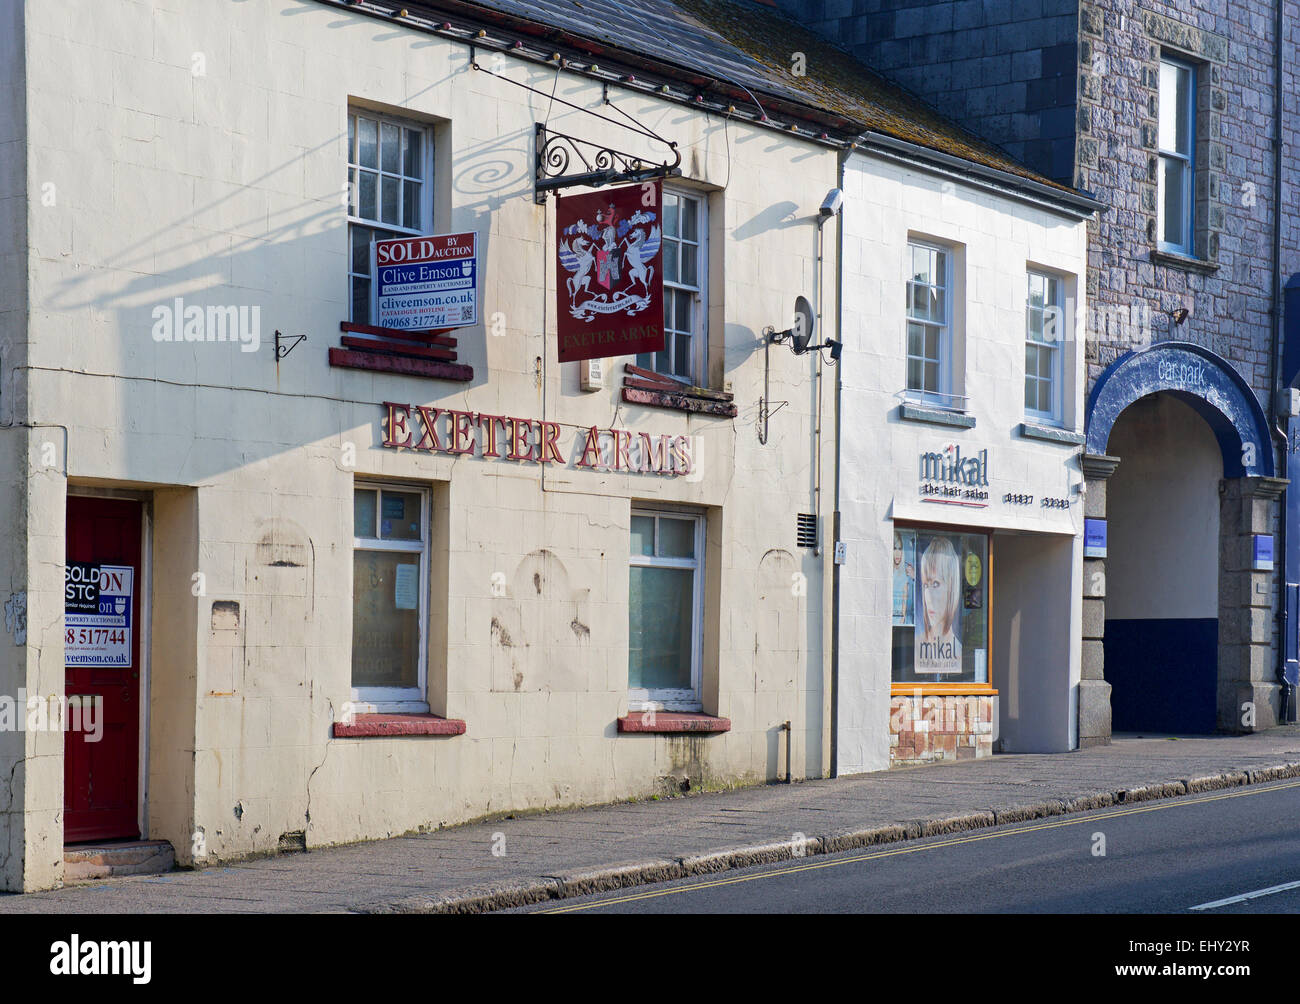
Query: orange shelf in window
point(942, 690)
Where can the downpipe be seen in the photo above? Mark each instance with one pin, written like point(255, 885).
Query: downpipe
point(1288, 659)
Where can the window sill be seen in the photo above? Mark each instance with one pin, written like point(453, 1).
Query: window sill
point(390, 350)
point(384, 726)
point(935, 416)
point(641, 386)
point(1051, 434)
point(375, 362)
point(1186, 262)
point(672, 722)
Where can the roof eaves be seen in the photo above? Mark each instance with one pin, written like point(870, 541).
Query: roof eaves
point(426, 16)
point(824, 119)
point(1074, 203)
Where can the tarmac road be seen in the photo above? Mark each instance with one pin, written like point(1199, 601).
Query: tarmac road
point(1179, 855)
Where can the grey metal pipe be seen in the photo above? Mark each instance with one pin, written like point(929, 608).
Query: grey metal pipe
point(1275, 361)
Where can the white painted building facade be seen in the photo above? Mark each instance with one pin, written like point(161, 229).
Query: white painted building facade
point(157, 159)
point(963, 318)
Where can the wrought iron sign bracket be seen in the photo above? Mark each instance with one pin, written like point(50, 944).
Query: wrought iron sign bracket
point(283, 345)
point(603, 164)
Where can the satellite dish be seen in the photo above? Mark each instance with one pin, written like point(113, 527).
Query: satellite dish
point(801, 331)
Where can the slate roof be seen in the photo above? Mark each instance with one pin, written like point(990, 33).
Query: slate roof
point(752, 44)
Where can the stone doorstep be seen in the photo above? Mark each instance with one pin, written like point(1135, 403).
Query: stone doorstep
point(86, 862)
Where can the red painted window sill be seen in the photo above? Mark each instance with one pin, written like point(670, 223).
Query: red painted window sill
point(390, 350)
point(641, 386)
point(672, 721)
point(437, 370)
point(364, 726)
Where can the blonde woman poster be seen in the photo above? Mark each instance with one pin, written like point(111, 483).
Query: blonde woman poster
point(904, 577)
point(938, 631)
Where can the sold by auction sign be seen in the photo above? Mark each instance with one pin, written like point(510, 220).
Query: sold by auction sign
point(423, 283)
point(609, 268)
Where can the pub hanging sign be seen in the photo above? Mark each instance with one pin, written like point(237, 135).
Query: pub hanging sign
point(609, 272)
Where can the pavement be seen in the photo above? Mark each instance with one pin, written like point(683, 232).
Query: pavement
point(1220, 852)
point(534, 858)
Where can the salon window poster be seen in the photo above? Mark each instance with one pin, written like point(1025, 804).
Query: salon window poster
point(939, 610)
point(904, 578)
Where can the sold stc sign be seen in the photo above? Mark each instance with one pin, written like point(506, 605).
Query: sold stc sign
point(609, 264)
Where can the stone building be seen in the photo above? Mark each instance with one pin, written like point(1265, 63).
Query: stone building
point(1181, 120)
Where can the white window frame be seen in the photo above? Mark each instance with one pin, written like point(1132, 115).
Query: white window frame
point(1187, 211)
point(410, 700)
point(354, 167)
point(943, 397)
point(699, 293)
point(1052, 417)
point(674, 699)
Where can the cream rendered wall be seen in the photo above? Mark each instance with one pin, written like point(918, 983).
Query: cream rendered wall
point(31, 662)
point(200, 152)
point(996, 237)
point(13, 442)
point(31, 494)
point(13, 213)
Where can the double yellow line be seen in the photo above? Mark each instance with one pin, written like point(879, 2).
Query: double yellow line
point(1090, 817)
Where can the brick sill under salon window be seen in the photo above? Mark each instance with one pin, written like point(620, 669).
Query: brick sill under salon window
point(642, 386)
point(387, 726)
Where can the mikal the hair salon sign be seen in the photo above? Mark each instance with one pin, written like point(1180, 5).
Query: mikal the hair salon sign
point(609, 272)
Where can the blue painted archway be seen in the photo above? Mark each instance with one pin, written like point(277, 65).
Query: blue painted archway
point(1162, 661)
point(1198, 377)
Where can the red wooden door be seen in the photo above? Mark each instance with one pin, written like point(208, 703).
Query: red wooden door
point(102, 657)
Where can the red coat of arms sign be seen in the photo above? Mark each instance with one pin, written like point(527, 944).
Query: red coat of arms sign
point(609, 274)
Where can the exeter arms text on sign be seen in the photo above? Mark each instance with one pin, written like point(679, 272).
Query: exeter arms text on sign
point(445, 430)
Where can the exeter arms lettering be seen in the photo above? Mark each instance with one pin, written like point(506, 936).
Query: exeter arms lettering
point(446, 430)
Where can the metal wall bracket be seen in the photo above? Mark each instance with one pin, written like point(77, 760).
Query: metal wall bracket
point(603, 165)
point(765, 409)
point(283, 350)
